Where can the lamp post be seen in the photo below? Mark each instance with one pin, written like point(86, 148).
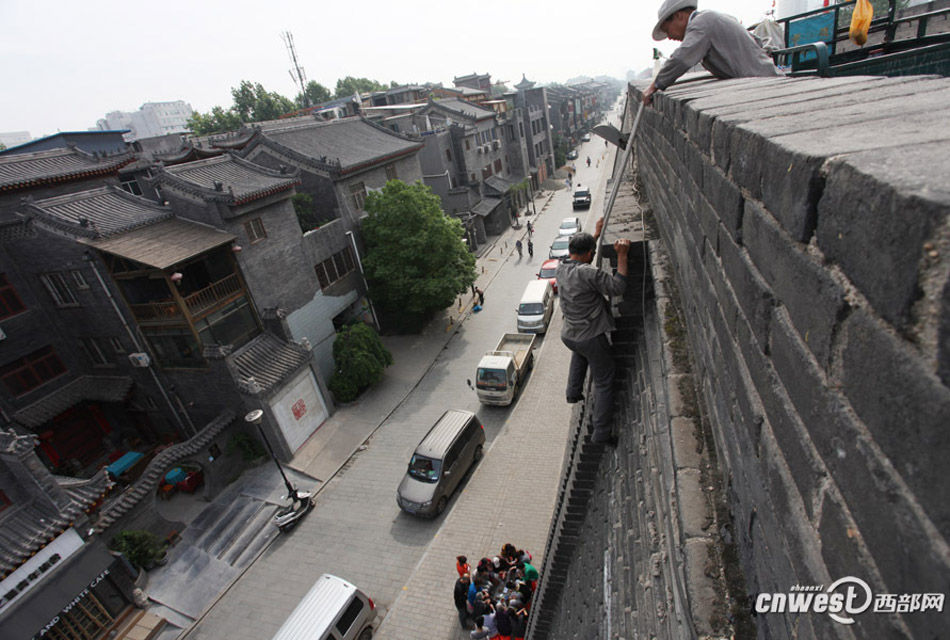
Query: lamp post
point(256, 418)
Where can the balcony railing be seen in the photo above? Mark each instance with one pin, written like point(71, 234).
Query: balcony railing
point(197, 302)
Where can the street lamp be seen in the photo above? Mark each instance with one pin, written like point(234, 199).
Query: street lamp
point(256, 418)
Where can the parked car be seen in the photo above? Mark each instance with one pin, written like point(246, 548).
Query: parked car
point(437, 465)
point(582, 198)
point(333, 609)
point(549, 272)
point(536, 307)
point(559, 248)
point(572, 154)
point(585, 137)
point(569, 226)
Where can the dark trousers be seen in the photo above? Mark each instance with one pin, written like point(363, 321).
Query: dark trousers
point(597, 354)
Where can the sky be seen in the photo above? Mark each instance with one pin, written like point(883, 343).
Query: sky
point(65, 64)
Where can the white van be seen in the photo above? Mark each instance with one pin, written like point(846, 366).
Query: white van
point(536, 308)
point(333, 609)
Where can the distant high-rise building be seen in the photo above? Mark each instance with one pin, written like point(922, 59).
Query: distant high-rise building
point(151, 120)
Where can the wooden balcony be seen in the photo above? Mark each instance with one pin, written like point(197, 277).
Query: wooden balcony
point(197, 303)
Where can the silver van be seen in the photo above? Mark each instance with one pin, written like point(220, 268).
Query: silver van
point(333, 609)
point(536, 307)
point(452, 445)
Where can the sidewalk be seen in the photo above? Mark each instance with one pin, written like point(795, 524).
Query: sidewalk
point(343, 433)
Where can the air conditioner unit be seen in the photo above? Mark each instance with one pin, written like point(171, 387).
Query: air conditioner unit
point(495, 144)
point(480, 149)
point(140, 360)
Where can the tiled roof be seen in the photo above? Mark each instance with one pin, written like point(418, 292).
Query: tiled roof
point(13, 230)
point(266, 362)
point(96, 213)
point(58, 165)
point(499, 184)
point(227, 179)
point(355, 143)
point(26, 527)
point(485, 206)
point(467, 109)
point(99, 388)
point(163, 244)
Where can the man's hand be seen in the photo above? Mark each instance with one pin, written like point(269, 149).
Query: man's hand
point(598, 227)
point(622, 247)
point(648, 94)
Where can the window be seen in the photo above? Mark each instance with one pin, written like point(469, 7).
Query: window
point(358, 194)
point(471, 177)
point(117, 345)
point(448, 155)
point(132, 187)
point(391, 172)
point(31, 371)
point(10, 303)
point(4, 500)
point(96, 352)
point(335, 267)
point(468, 145)
point(79, 279)
point(58, 287)
point(255, 230)
point(349, 616)
point(498, 166)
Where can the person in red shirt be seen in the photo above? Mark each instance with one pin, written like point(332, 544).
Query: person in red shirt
point(461, 565)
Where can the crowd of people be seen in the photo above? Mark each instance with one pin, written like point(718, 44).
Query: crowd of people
point(494, 598)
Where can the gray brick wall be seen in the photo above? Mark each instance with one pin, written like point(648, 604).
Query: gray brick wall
point(807, 222)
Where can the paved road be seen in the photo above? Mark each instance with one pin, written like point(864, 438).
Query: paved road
point(356, 531)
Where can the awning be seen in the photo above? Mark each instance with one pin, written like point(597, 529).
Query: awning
point(163, 244)
point(95, 388)
point(123, 463)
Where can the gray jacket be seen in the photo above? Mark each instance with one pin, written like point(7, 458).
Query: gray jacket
point(724, 47)
point(582, 289)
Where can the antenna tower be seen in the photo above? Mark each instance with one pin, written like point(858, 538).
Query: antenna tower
point(297, 74)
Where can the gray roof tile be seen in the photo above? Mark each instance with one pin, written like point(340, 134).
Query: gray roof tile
point(100, 388)
point(42, 167)
point(240, 181)
point(467, 109)
point(106, 211)
point(267, 361)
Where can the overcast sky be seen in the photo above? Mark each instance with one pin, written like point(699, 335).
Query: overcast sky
point(65, 64)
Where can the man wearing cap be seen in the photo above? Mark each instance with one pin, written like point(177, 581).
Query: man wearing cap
point(587, 321)
point(723, 46)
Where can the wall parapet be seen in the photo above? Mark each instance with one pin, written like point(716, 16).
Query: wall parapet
point(807, 225)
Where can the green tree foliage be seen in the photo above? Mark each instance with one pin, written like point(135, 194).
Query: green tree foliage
point(142, 548)
point(360, 358)
point(215, 121)
point(560, 150)
point(349, 85)
point(416, 261)
point(315, 93)
point(254, 103)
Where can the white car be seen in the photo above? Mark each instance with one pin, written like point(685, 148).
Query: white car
point(585, 137)
point(569, 226)
point(559, 247)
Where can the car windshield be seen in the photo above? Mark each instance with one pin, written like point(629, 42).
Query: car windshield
point(560, 243)
point(550, 272)
point(425, 469)
point(580, 194)
point(491, 379)
point(531, 309)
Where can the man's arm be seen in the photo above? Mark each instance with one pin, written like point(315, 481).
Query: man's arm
point(695, 46)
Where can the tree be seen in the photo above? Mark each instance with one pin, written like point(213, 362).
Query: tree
point(349, 85)
point(560, 150)
point(254, 103)
point(306, 211)
point(142, 548)
point(315, 93)
point(359, 357)
point(215, 121)
point(416, 261)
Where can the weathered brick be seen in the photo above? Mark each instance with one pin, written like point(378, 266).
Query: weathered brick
point(813, 299)
point(752, 292)
point(905, 407)
point(875, 215)
point(725, 198)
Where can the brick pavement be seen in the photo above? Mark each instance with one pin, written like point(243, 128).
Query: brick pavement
point(508, 498)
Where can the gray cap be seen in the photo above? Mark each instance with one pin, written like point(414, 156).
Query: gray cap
point(667, 9)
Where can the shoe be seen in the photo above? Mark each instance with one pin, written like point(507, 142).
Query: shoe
point(575, 400)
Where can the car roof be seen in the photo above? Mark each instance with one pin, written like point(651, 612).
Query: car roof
point(563, 239)
point(550, 262)
point(317, 610)
point(534, 291)
point(443, 433)
point(572, 219)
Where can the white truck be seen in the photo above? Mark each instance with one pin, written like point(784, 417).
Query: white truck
point(502, 371)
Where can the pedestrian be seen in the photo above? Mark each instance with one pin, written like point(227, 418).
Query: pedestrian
point(461, 566)
point(717, 40)
point(587, 321)
point(481, 296)
point(530, 229)
point(530, 249)
point(503, 622)
point(461, 599)
point(518, 247)
point(519, 623)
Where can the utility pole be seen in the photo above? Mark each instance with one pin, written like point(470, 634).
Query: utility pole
point(297, 74)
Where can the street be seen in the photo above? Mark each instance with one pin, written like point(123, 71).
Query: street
point(356, 530)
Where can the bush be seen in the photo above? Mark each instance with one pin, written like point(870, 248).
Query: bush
point(249, 447)
point(142, 548)
point(306, 212)
point(360, 358)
